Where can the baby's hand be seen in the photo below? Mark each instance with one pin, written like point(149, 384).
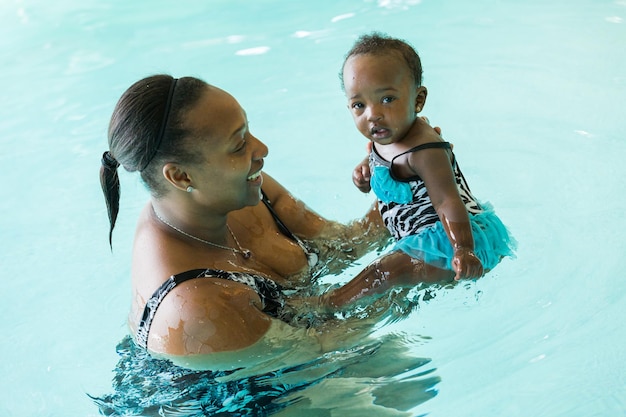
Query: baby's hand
point(361, 175)
point(466, 264)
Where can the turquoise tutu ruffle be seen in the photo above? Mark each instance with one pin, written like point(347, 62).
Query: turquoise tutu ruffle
point(492, 242)
point(389, 190)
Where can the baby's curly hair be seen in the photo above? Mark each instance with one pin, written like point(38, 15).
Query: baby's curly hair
point(378, 44)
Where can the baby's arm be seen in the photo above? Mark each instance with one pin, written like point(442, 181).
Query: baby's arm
point(433, 166)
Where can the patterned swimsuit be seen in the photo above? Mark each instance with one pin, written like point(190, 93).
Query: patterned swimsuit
point(412, 220)
point(404, 203)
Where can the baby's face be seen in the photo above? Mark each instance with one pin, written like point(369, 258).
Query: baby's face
point(382, 96)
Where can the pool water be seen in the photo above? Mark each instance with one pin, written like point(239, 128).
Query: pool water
point(531, 94)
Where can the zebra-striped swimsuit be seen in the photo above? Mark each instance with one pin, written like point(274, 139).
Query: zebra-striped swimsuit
point(404, 203)
point(412, 220)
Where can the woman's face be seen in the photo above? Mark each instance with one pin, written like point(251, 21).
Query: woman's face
point(229, 176)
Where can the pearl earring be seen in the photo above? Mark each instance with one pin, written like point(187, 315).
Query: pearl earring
point(189, 189)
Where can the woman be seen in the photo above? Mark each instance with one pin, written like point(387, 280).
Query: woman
point(211, 265)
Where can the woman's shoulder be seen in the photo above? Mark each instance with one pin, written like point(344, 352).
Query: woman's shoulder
point(207, 315)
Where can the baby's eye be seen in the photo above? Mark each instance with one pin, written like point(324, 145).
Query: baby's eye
point(357, 105)
point(388, 99)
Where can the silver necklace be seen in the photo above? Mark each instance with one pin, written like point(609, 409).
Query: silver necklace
point(245, 253)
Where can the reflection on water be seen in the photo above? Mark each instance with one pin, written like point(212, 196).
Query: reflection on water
point(377, 377)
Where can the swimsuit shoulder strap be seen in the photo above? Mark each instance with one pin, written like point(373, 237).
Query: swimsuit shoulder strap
point(429, 145)
point(283, 228)
point(310, 252)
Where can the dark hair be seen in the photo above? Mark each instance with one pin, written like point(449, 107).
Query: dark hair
point(379, 44)
point(145, 131)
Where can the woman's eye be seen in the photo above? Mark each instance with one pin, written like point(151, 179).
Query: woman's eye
point(242, 146)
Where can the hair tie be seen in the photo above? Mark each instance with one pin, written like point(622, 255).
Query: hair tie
point(109, 162)
point(166, 116)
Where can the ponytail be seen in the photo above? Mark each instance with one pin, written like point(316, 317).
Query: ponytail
point(110, 182)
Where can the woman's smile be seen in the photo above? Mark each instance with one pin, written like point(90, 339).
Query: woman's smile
point(256, 178)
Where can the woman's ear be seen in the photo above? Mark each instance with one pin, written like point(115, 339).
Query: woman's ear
point(175, 175)
point(420, 98)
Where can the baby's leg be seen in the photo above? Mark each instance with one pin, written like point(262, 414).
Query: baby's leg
point(391, 270)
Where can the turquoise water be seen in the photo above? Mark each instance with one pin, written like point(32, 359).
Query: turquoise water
point(531, 94)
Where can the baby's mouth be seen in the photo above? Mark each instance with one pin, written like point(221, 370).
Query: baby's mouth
point(378, 132)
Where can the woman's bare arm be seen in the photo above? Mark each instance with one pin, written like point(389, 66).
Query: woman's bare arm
point(360, 235)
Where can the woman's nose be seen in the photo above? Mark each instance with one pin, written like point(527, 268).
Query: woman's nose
point(260, 150)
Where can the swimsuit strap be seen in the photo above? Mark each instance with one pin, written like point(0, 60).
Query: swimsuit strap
point(283, 228)
point(311, 253)
point(428, 145)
